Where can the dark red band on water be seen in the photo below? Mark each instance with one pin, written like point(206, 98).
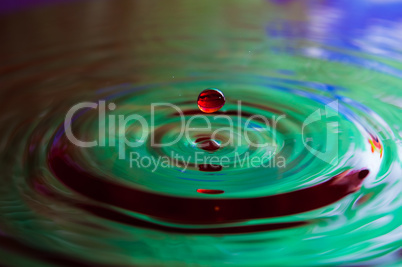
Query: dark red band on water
point(199, 210)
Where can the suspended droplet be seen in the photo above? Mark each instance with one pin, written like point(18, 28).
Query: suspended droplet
point(211, 100)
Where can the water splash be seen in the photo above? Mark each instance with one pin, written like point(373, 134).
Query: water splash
point(327, 188)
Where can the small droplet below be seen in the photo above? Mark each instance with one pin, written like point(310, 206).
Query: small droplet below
point(211, 100)
point(210, 191)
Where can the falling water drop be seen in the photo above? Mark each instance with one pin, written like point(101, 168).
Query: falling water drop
point(211, 100)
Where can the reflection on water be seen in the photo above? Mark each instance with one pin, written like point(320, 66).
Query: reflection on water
point(331, 194)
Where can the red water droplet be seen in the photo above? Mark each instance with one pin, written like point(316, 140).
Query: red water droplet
point(211, 100)
point(210, 191)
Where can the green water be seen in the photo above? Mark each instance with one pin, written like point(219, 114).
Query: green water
point(339, 95)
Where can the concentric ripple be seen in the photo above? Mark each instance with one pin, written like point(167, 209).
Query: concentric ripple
point(301, 166)
point(296, 188)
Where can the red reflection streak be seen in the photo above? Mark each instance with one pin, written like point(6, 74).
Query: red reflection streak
point(199, 210)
